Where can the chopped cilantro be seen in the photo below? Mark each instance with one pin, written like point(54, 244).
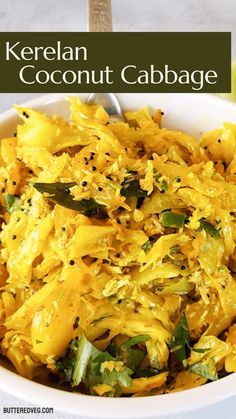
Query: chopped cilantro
point(205, 368)
point(180, 340)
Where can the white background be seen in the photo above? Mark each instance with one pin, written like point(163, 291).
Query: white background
point(128, 15)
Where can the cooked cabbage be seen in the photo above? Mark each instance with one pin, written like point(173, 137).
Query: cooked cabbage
point(118, 258)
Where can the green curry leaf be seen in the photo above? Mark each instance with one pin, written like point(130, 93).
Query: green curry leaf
point(132, 189)
point(60, 194)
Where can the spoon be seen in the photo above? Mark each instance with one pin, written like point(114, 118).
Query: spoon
point(100, 20)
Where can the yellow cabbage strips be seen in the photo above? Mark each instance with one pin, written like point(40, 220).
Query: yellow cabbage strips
point(118, 252)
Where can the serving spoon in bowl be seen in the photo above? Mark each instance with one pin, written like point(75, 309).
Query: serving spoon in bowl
point(100, 20)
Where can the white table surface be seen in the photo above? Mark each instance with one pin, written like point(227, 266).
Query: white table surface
point(128, 15)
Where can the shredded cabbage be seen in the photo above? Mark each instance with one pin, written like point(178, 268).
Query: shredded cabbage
point(118, 259)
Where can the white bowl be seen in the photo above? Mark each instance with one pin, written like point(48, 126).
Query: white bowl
point(194, 113)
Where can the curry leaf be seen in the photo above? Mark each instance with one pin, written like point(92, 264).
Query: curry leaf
point(60, 194)
point(132, 189)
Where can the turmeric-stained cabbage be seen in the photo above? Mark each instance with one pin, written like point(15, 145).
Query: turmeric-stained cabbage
point(118, 260)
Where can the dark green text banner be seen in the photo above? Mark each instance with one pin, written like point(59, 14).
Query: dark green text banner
point(115, 62)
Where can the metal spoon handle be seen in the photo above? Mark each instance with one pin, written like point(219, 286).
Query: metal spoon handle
point(100, 16)
point(100, 20)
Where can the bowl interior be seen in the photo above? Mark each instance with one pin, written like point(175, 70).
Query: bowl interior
point(192, 113)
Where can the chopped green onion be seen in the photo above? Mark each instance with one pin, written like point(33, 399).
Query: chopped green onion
point(84, 352)
point(209, 229)
point(60, 194)
point(132, 189)
point(169, 219)
point(134, 341)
